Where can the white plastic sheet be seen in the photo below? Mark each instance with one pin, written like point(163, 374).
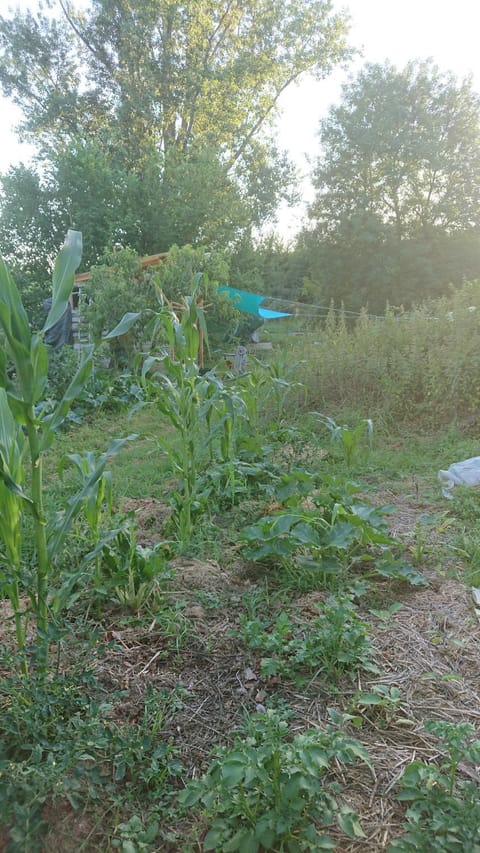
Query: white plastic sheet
point(466, 473)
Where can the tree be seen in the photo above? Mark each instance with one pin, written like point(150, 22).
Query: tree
point(173, 101)
point(399, 173)
point(403, 146)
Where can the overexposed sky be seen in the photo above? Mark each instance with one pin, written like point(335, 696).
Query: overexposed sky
point(398, 30)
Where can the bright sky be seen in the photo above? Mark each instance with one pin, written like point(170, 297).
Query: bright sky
point(398, 30)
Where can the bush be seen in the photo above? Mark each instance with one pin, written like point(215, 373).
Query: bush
point(116, 287)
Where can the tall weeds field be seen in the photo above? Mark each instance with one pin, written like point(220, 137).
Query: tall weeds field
point(418, 368)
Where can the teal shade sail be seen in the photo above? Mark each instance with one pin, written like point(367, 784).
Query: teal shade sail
point(251, 303)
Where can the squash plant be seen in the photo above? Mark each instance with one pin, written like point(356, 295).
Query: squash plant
point(26, 434)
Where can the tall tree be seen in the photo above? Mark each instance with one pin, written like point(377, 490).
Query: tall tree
point(172, 97)
point(404, 147)
point(398, 174)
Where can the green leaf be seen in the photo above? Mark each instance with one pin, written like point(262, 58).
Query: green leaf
point(13, 317)
point(53, 421)
point(123, 326)
point(233, 770)
point(370, 699)
point(190, 795)
point(63, 277)
point(64, 521)
point(214, 837)
point(400, 570)
point(349, 822)
point(39, 360)
point(120, 771)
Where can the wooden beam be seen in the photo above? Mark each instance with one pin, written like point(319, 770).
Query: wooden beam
point(148, 261)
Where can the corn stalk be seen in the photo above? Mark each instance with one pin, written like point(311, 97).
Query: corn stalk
point(23, 378)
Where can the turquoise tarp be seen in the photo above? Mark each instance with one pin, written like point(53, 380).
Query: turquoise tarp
point(250, 303)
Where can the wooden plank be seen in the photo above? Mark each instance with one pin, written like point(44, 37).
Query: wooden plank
point(148, 261)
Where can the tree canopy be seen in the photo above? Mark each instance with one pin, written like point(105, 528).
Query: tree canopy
point(153, 118)
point(397, 186)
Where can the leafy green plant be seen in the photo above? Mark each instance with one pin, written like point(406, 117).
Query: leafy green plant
point(23, 378)
point(323, 532)
point(444, 810)
point(350, 440)
point(268, 792)
point(128, 572)
point(133, 836)
point(117, 286)
point(278, 382)
point(383, 701)
point(62, 366)
point(335, 644)
point(58, 741)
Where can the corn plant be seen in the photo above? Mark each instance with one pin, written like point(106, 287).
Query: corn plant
point(349, 439)
point(196, 404)
point(279, 383)
point(26, 430)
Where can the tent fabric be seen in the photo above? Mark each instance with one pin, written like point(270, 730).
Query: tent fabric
point(250, 303)
point(267, 314)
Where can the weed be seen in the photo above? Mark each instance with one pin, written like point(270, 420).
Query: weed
point(133, 836)
point(381, 700)
point(59, 741)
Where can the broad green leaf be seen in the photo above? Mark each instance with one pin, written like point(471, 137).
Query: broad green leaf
point(13, 317)
point(370, 699)
point(400, 570)
point(233, 771)
point(214, 837)
point(123, 326)
point(349, 822)
point(342, 535)
point(68, 260)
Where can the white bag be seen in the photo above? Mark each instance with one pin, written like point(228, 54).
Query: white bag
point(466, 473)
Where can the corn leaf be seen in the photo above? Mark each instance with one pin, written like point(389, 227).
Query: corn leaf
point(13, 317)
point(53, 421)
point(39, 361)
point(68, 260)
point(123, 326)
point(65, 519)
